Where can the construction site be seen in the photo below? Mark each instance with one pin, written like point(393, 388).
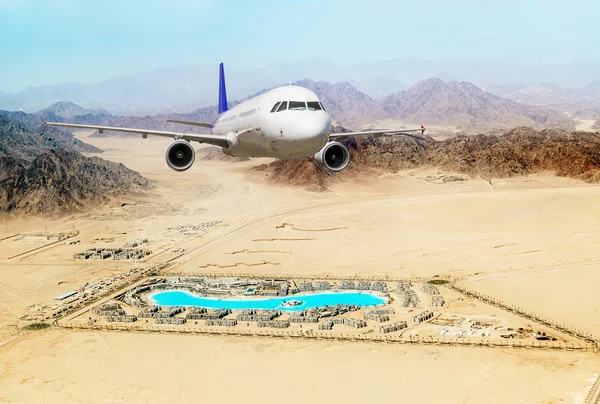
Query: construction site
point(127, 252)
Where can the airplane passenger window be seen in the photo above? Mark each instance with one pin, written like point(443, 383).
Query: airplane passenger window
point(283, 106)
point(313, 106)
point(275, 106)
point(297, 105)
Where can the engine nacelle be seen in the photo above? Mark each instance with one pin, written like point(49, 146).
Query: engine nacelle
point(180, 155)
point(333, 157)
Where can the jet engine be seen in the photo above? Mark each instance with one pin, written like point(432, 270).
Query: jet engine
point(333, 157)
point(180, 155)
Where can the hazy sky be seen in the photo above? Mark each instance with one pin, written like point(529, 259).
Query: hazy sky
point(53, 41)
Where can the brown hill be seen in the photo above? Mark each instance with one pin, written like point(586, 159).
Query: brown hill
point(62, 181)
point(47, 136)
point(36, 178)
point(521, 151)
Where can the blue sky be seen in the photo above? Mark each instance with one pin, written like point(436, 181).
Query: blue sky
point(53, 41)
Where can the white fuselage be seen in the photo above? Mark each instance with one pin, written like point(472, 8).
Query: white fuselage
point(300, 128)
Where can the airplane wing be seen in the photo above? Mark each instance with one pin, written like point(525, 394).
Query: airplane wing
point(342, 136)
point(204, 125)
point(215, 140)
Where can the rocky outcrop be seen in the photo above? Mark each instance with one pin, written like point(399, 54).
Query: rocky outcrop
point(46, 136)
point(521, 151)
point(36, 177)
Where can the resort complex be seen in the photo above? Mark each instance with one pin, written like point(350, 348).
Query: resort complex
point(413, 311)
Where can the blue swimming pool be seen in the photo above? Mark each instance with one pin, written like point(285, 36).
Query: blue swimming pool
point(185, 298)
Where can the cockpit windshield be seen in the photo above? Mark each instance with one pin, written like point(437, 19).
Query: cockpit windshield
point(297, 105)
point(283, 106)
point(313, 106)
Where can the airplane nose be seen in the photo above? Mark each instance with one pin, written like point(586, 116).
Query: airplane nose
point(310, 126)
point(306, 135)
point(320, 124)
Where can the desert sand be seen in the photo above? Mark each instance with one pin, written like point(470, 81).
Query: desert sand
point(532, 241)
point(143, 368)
point(550, 292)
point(585, 124)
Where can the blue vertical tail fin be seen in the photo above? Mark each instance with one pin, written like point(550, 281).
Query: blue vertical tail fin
point(222, 91)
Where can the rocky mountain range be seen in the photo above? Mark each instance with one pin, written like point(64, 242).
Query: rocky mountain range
point(521, 151)
point(586, 113)
point(429, 102)
point(47, 136)
point(578, 102)
point(183, 89)
point(67, 109)
point(433, 102)
point(540, 94)
point(41, 175)
point(465, 106)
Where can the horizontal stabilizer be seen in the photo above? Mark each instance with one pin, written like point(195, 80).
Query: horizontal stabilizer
point(204, 125)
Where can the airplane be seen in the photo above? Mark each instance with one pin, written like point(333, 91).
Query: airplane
point(287, 122)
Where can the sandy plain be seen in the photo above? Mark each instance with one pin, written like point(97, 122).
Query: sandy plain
point(404, 225)
point(585, 124)
point(143, 368)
